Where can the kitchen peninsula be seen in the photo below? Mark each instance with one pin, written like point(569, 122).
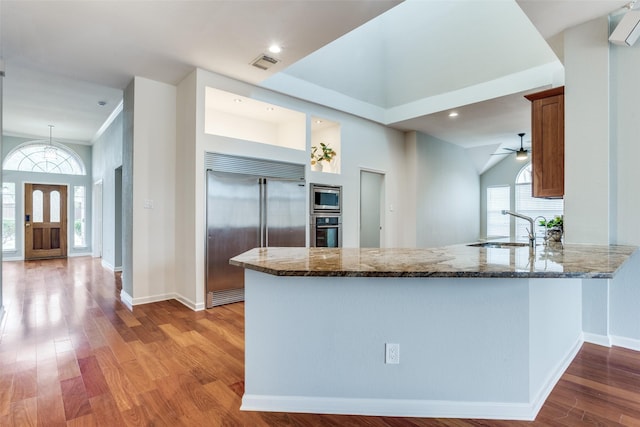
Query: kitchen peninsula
point(482, 332)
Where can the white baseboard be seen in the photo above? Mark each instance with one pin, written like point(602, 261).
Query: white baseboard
point(630, 343)
point(106, 265)
point(389, 407)
point(152, 298)
point(189, 303)
point(603, 340)
point(126, 299)
point(132, 302)
point(110, 267)
point(611, 340)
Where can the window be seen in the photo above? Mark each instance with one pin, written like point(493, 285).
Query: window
point(498, 199)
point(8, 216)
point(530, 206)
point(38, 156)
point(79, 217)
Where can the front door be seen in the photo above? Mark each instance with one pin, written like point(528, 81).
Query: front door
point(45, 221)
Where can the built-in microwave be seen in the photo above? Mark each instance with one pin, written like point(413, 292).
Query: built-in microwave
point(326, 198)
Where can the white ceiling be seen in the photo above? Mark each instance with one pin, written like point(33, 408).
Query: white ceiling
point(62, 57)
point(407, 69)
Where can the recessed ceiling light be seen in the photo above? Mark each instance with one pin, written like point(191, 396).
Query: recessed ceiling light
point(318, 121)
point(238, 100)
point(270, 108)
point(453, 114)
point(274, 48)
point(102, 103)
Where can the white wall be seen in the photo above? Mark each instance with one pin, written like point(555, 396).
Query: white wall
point(601, 174)
point(154, 188)
point(187, 239)
point(107, 157)
point(624, 293)
point(625, 176)
point(555, 326)
point(625, 132)
point(595, 310)
point(447, 193)
point(587, 162)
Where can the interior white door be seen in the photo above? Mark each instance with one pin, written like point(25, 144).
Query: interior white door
point(371, 208)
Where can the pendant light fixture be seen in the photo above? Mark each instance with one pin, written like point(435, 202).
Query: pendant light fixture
point(50, 152)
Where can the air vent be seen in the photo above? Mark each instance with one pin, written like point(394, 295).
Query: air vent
point(264, 62)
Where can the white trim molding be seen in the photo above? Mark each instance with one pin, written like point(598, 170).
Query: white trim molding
point(131, 302)
point(603, 340)
point(126, 299)
point(389, 407)
point(630, 343)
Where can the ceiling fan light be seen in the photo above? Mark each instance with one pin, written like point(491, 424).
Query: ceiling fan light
point(521, 155)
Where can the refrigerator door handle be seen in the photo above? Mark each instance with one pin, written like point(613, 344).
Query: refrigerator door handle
point(263, 213)
point(265, 219)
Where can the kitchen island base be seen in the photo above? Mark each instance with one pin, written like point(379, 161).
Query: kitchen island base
point(489, 348)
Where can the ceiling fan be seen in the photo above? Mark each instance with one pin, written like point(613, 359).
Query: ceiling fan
point(521, 154)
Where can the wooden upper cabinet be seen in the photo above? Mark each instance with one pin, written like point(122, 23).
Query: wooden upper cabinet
point(547, 142)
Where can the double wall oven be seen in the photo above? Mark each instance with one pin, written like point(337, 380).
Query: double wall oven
point(326, 216)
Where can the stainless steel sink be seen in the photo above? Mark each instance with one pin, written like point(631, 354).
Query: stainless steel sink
point(504, 245)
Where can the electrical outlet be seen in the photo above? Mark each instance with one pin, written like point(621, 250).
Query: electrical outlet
point(392, 353)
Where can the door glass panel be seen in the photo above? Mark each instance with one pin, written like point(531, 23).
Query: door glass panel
point(54, 206)
point(38, 209)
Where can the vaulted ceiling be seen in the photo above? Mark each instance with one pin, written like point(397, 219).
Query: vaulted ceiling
point(403, 64)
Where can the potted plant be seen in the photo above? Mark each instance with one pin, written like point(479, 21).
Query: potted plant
point(554, 228)
point(322, 154)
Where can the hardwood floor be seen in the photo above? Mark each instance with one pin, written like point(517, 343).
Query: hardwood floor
point(72, 355)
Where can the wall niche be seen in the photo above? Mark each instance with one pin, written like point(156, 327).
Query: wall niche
point(325, 132)
point(235, 116)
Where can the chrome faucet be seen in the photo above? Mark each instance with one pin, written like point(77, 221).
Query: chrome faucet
point(532, 231)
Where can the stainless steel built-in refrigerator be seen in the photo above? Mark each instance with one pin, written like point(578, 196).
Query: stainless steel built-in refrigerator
point(244, 212)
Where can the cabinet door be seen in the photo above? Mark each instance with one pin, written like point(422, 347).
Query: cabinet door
point(547, 146)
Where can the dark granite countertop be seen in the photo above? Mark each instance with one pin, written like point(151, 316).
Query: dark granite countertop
point(557, 261)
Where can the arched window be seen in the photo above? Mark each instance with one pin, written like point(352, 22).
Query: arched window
point(41, 156)
point(532, 206)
